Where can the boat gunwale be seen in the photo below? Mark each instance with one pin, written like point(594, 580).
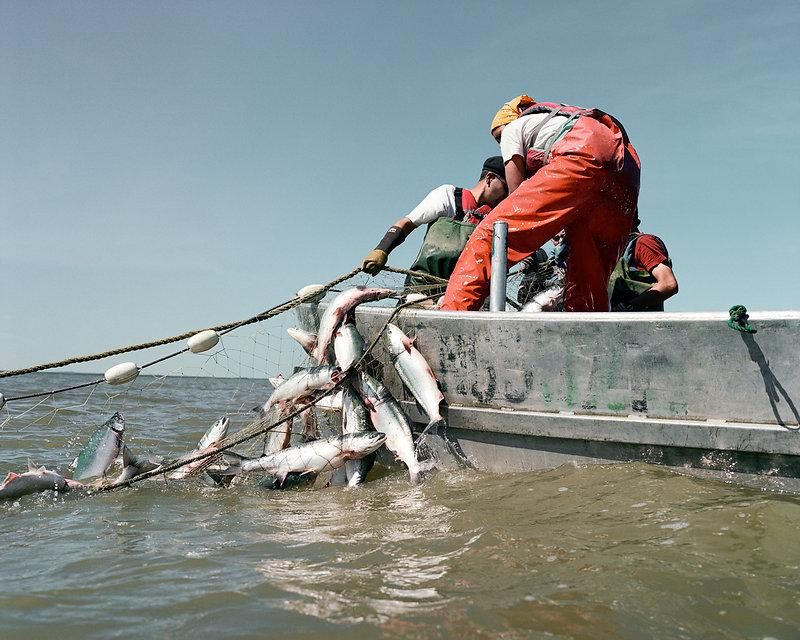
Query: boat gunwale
point(581, 316)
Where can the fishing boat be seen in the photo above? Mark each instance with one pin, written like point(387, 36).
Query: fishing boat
point(532, 391)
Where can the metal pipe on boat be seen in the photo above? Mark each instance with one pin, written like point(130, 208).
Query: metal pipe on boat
point(497, 283)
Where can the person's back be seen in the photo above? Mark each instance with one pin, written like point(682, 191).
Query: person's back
point(583, 178)
point(643, 278)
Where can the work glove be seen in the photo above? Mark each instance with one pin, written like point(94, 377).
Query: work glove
point(374, 262)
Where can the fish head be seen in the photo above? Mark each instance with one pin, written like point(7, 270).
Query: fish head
point(358, 445)
point(395, 341)
point(367, 385)
point(116, 422)
point(219, 430)
point(326, 376)
point(216, 432)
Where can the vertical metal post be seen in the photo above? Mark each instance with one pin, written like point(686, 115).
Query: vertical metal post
point(497, 284)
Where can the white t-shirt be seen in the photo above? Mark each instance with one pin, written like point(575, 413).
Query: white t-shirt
point(515, 140)
point(439, 203)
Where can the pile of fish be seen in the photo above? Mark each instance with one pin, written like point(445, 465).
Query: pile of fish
point(371, 419)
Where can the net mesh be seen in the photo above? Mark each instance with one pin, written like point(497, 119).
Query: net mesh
point(231, 379)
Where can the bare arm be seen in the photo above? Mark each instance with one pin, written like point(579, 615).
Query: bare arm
point(515, 172)
point(665, 286)
point(405, 225)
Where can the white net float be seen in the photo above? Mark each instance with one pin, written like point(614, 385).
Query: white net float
point(203, 341)
point(122, 373)
point(316, 290)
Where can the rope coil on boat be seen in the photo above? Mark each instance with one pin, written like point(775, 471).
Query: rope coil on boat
point(738, 320)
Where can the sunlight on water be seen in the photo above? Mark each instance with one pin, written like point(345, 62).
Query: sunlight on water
point(608, 551)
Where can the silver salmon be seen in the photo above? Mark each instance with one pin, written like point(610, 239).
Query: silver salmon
point(279, 437)
point(387, 417)
point(348, 346)
point(133, 466)
point(415, 372)
point(208, 443)
point(546, 300)
point(319, 456)
point(35, 480)
point(336, 312)
point(305, 339)
point(304, 383)
point(355, 419)
point(103, 448)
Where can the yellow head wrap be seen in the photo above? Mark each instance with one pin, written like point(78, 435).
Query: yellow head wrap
point(510, 110)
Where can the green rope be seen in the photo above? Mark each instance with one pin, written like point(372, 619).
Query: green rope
point(739, 319)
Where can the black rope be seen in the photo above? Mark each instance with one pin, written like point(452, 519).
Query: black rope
point(55, 391)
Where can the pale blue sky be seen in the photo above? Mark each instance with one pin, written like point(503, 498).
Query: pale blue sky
point(166, 166)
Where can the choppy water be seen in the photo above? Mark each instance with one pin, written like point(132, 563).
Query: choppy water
point(622, 551)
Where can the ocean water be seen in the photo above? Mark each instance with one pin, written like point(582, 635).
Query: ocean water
point(602, 551)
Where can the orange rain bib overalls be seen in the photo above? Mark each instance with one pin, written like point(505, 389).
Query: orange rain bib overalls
point(588, 186)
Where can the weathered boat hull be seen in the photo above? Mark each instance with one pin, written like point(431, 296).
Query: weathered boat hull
point(533, 391)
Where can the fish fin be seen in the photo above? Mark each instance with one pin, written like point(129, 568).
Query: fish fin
point(322, 480)
point(276, 381)
point(408, 343)
point(127, 457)
point(32, 467)
point(231, 470)
point(426, 436)
point(218, 477)
point(73, 464)
point(11, 476)
point(280, 478)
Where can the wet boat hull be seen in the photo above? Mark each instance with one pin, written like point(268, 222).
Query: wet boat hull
point(533, 391)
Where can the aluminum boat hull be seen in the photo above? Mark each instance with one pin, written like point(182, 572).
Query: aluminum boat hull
point(531, 391)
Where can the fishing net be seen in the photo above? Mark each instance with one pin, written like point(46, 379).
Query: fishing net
point(58, 408)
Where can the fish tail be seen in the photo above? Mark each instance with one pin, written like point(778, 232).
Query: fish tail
point(231, 470)
point(433, 426)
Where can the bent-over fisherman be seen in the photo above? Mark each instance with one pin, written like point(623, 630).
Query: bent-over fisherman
point(566, 168)
point(643, 278)
point(451, 213)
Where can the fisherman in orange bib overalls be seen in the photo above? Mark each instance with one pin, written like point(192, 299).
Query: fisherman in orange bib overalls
point(566, 168)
